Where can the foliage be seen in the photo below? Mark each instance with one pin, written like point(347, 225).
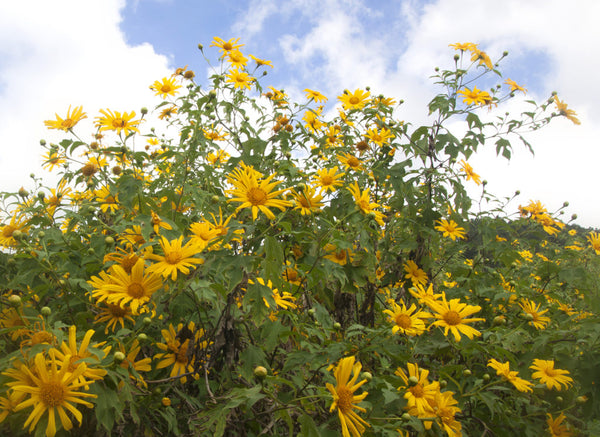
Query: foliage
point(261, 268)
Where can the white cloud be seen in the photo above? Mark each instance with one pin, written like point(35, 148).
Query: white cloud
point(61, 53)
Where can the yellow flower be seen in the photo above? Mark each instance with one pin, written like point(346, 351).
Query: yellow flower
point(350, 161)
point(53, 390)
point(356, 100)
point(168, 112)
point(254, 192)
point(482, 57)
point(52, 159)
point(69, 121)
point(106, 199)
point(547, 374)
point(594, 240)
point(166, 88)
point(307, 201)
point(514, 87)
point(475, 96)
point(71, 355)
point(17, 223)
point(157, 223)
point(419, 394)
point(114, 314)
point(315, 95)
point(117, 122)
point(260, 62)
point(338, 256)
point(424, 295)
point(414, 273)
point(471, 175)
point(407, 321)
point(503, 369)
point(133, 289)
point(464, 46)
point(452, 316)
point(226, 46)
point(363, 202)
point(179, 350)
point(329, 179)
point(237, 58)
point(379, 137)
point(449, 228)
point(565, 111)
point(239, 79)
point(344, 398)
point(538, 320)
point(215, 135)
point(176, 258)
point(203, 233)
point(311, 117)
point(556, 426)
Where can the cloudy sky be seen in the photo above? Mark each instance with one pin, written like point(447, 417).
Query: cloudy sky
point(106, 53)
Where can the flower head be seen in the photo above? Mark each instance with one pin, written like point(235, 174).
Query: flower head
point(344, 398)
point(175, 258)
point(453, 317)
point(565, 111)
point(514, 87)
point(557, 428)
point(69, 121)
point(406, 321)
point(307, 201)
point(355, 100)
point(418, 395)
point(226, 46)
point(239, 79)
point(547, 374)
point(315, 95)
point(503, 369)
point(414, 273)
point(117, 121)
point(471, 175)
point(531, 309)
point(364, 204)
point(166, 87)
point(449, 228)
point(475, 96)
point(329, 179)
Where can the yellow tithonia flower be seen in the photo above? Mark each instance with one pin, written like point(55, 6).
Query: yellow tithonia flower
point(69, 121)
point(452, 316)
point(344, 398)
point(547, 374)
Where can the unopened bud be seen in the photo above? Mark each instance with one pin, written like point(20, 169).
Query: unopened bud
point(144, 110)
point(412, 381)
point(23, 192)
point(45, 311)
point(260, 372)
point(118, 357)
point(200, 47)
point(14, 300)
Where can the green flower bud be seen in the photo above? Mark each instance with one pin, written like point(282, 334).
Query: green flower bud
point(260, 372)
point(14, 300)
point(118, 357)
point(337, 326)
point(142, 337)
point(109, 240)
point(412, 381)
point(45, 311)
point(147, 320)
point(486, 377)
point(467, 372)
point(405, 417)
point(42, 142)
point(367, 376)
point(41, 234)
point(23, 192)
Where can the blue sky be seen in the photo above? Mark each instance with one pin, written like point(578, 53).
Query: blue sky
point(106, 53)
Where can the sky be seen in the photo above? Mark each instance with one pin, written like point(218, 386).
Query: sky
point(106, 53)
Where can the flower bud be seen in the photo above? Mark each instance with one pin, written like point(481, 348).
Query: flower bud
point(337, 326)
point(443, 383)
point(14, 300)
point(109, 240)
point(42, 142)
point(574, 217)
point(45, 311)
point(565, 204)
point(41, 234)
point(456, 57)
point(505, 53)
point(405, 417)
point(486, 377)
point(260, 372)
point(366, 375)
point(147, 320)
point(144, 110)
point(118, 357)
point(23, 192)
point(200, 47)
point(142, 337)
point(467, 372)
point(412, 381)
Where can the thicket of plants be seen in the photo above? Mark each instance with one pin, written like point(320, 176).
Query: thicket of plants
point(265, 269)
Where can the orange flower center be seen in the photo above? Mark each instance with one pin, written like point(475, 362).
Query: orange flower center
point(8, 230)
point(67, 123)
point(128, 262)
point(452, 318)
point(344, 399)
point(116, 310)
point(41, 337)
point(257, 196)
point(326, 180)
point(227, 46)
point(341, 255)
point(404, 321)
point(173, 257)
point(362, 146)
point(353, 100)
point(118, 123)
point(73, 362)
point(550, 372)
point(291, 274)
point(135, 290)
point(52, 393)
point(353, 161)
point(417, 391)
point(166, 88)
point(304, 202)
point(89, 169)
point(182, 353)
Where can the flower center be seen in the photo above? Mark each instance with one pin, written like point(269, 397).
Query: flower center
point(362, 146)
point(166, 88)
point(345, 399)
point(291, 274)
point(73, 362)
point(417, 391)
point(116, 310)
point(452, 318)
point(41, 337)
point(135, 290)
point(182, 353)
point(227, 46)
point(118, 123)
point(353, 161)
point(353, 100)
point(403, 321)
point(173, 257)
point(550, 372)
point(67, 123)
point(52, 393)
point(341, 255)
point(304, 202)
point(257, 196)
point(326, 180)
point(8, 230)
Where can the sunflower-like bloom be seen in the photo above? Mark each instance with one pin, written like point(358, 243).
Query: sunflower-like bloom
point(350, 161)
point(532, 310)
point(315, 95)
point(503, 369)
point(226, 46)
point(344, 398)
point(594, 240)
point(475, 96)
point(283, 300)
point(465, 46)
point(330, 179)
point(379, 137)
point(565, 111)
point(203, 233)
point(307, 201)
point(414, 273)
point(237, 58)
point(239, 79)
point(356, 100)
point(53, 390)
point(71, 355)
point(557, 428)
point(547, 374)
point(166, 88)
point(261, 62)
point(449, 228)
point(69, 121)
point(407, 321)
point(514, 87)
point(117, 122)
point(254, 192)
point(364, 204)
point(134, 289)
point(424, 295)
point(452, 316)
point(471, 175)
point(482, 57)
point(113, 314)
point(17, 223)
point(130, 364)
point(178, 349)
point(337, 255)
point(311, 117)
point(175, 257)
point(418, 394)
